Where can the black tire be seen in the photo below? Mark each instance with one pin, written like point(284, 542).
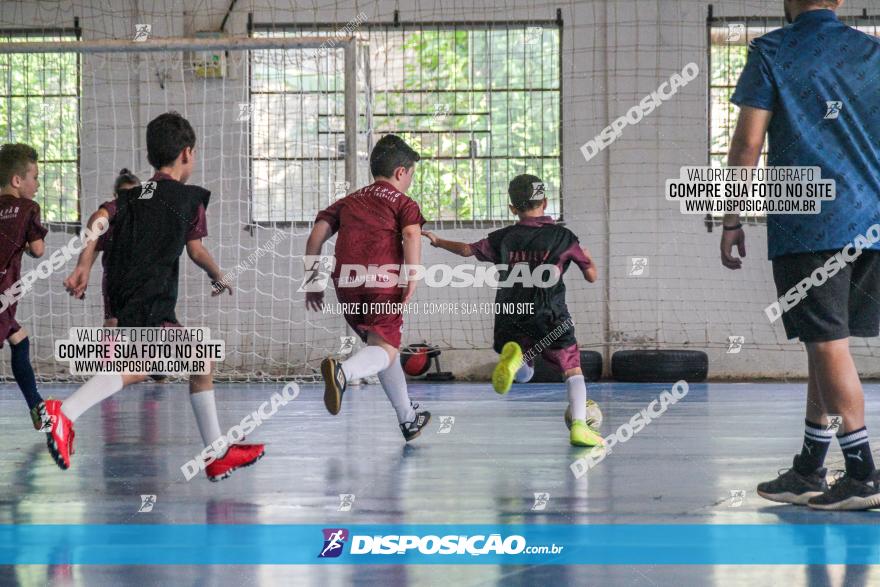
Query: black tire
point(591, 365)
point(665, 366)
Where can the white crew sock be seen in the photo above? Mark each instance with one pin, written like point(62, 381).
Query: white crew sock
point(205, 411)
point(91, 393)
point(367, 361)
point(524, 374)
point(394, 383)
point(577, 396)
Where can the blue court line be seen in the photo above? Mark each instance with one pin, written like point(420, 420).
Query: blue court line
point(600, 544)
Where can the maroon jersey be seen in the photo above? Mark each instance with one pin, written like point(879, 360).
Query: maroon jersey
point(370, 224)
point(19, 225)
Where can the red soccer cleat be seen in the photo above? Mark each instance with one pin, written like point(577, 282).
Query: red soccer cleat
point(59, 437)
point(238, 456)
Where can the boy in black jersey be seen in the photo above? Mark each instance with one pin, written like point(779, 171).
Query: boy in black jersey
point(152, 224)
point(536, 240)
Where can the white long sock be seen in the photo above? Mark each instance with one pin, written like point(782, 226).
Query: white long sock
point(367, 361)
point(577, 396)
point(394, 383)
point(205, 411)
point(524, 374)
point(91, 393)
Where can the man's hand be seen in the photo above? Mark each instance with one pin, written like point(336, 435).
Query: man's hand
point(729, 239)
point(315, 300)
point(77, 282)
point(431, 237)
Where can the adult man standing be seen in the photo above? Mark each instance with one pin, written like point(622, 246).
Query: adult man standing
point(813, 87)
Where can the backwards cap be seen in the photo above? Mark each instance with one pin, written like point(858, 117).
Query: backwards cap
point(524, 190)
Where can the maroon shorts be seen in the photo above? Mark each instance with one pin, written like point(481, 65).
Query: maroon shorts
point(360, 313)
point(560, 359)
point(8, 324)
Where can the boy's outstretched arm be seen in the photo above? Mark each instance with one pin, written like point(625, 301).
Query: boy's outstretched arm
point(589, 271)
point(412, 255)
point(460, 249)
point(201, 256)
point(78, 280)
point(321, 232)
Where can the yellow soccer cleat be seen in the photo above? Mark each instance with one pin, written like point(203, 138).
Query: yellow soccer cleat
point(583, 435)
point(508, 365)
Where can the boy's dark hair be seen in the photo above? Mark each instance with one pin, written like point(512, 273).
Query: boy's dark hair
point(125, 176)
point(390, 153)
point(167, 135)
point(526, 192)
point(14, 159)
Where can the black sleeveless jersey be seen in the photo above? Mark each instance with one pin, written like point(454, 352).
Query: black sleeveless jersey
point(149, 234)
point(533, 246)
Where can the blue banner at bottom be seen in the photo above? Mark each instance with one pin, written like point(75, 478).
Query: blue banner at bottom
point(600, 544)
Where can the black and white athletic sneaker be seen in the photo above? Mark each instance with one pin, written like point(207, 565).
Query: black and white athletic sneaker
point(792, 487)
point(334, 384)
point(412, 429)
point(849, 493)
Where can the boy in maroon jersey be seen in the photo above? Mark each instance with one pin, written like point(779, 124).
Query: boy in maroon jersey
point(20, 231)
point(152, 225)
point(376, 225)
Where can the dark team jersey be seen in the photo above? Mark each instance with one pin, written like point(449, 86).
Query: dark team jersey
point(370, 222)
point(197, 230)
point(533, 242)
point(151, 227)
point(19, 225)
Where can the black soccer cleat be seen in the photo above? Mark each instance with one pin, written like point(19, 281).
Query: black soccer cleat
point(792, 487)
point(849, 493)
point(39, 417)
point(412, 429)
point(334, 384)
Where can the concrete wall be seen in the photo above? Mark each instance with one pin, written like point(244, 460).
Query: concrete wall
point(614, 53)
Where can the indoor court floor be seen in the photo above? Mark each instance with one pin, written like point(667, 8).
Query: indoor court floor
point(689, 466)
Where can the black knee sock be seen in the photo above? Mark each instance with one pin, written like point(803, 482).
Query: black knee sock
point(857, 453)
point(817, 439)
point(24, 373)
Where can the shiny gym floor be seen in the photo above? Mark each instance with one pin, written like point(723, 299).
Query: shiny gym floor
point(482, 467)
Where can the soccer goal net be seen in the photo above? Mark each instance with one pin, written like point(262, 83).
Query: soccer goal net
point(277, 140)
point(286, 115)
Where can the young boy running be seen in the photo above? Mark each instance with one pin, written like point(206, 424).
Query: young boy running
point(376, 225)
point(20, 231)
point(153, 223)
point(535, 240)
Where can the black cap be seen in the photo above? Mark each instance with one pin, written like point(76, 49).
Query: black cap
point(525, 191)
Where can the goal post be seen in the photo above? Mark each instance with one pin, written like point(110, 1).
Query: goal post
point(192, 44)
point(264, 199)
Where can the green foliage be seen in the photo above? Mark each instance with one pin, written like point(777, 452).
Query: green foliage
point(480, 105)
point(40, 107)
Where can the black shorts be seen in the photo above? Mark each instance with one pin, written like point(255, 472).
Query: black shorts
point(847, 304)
